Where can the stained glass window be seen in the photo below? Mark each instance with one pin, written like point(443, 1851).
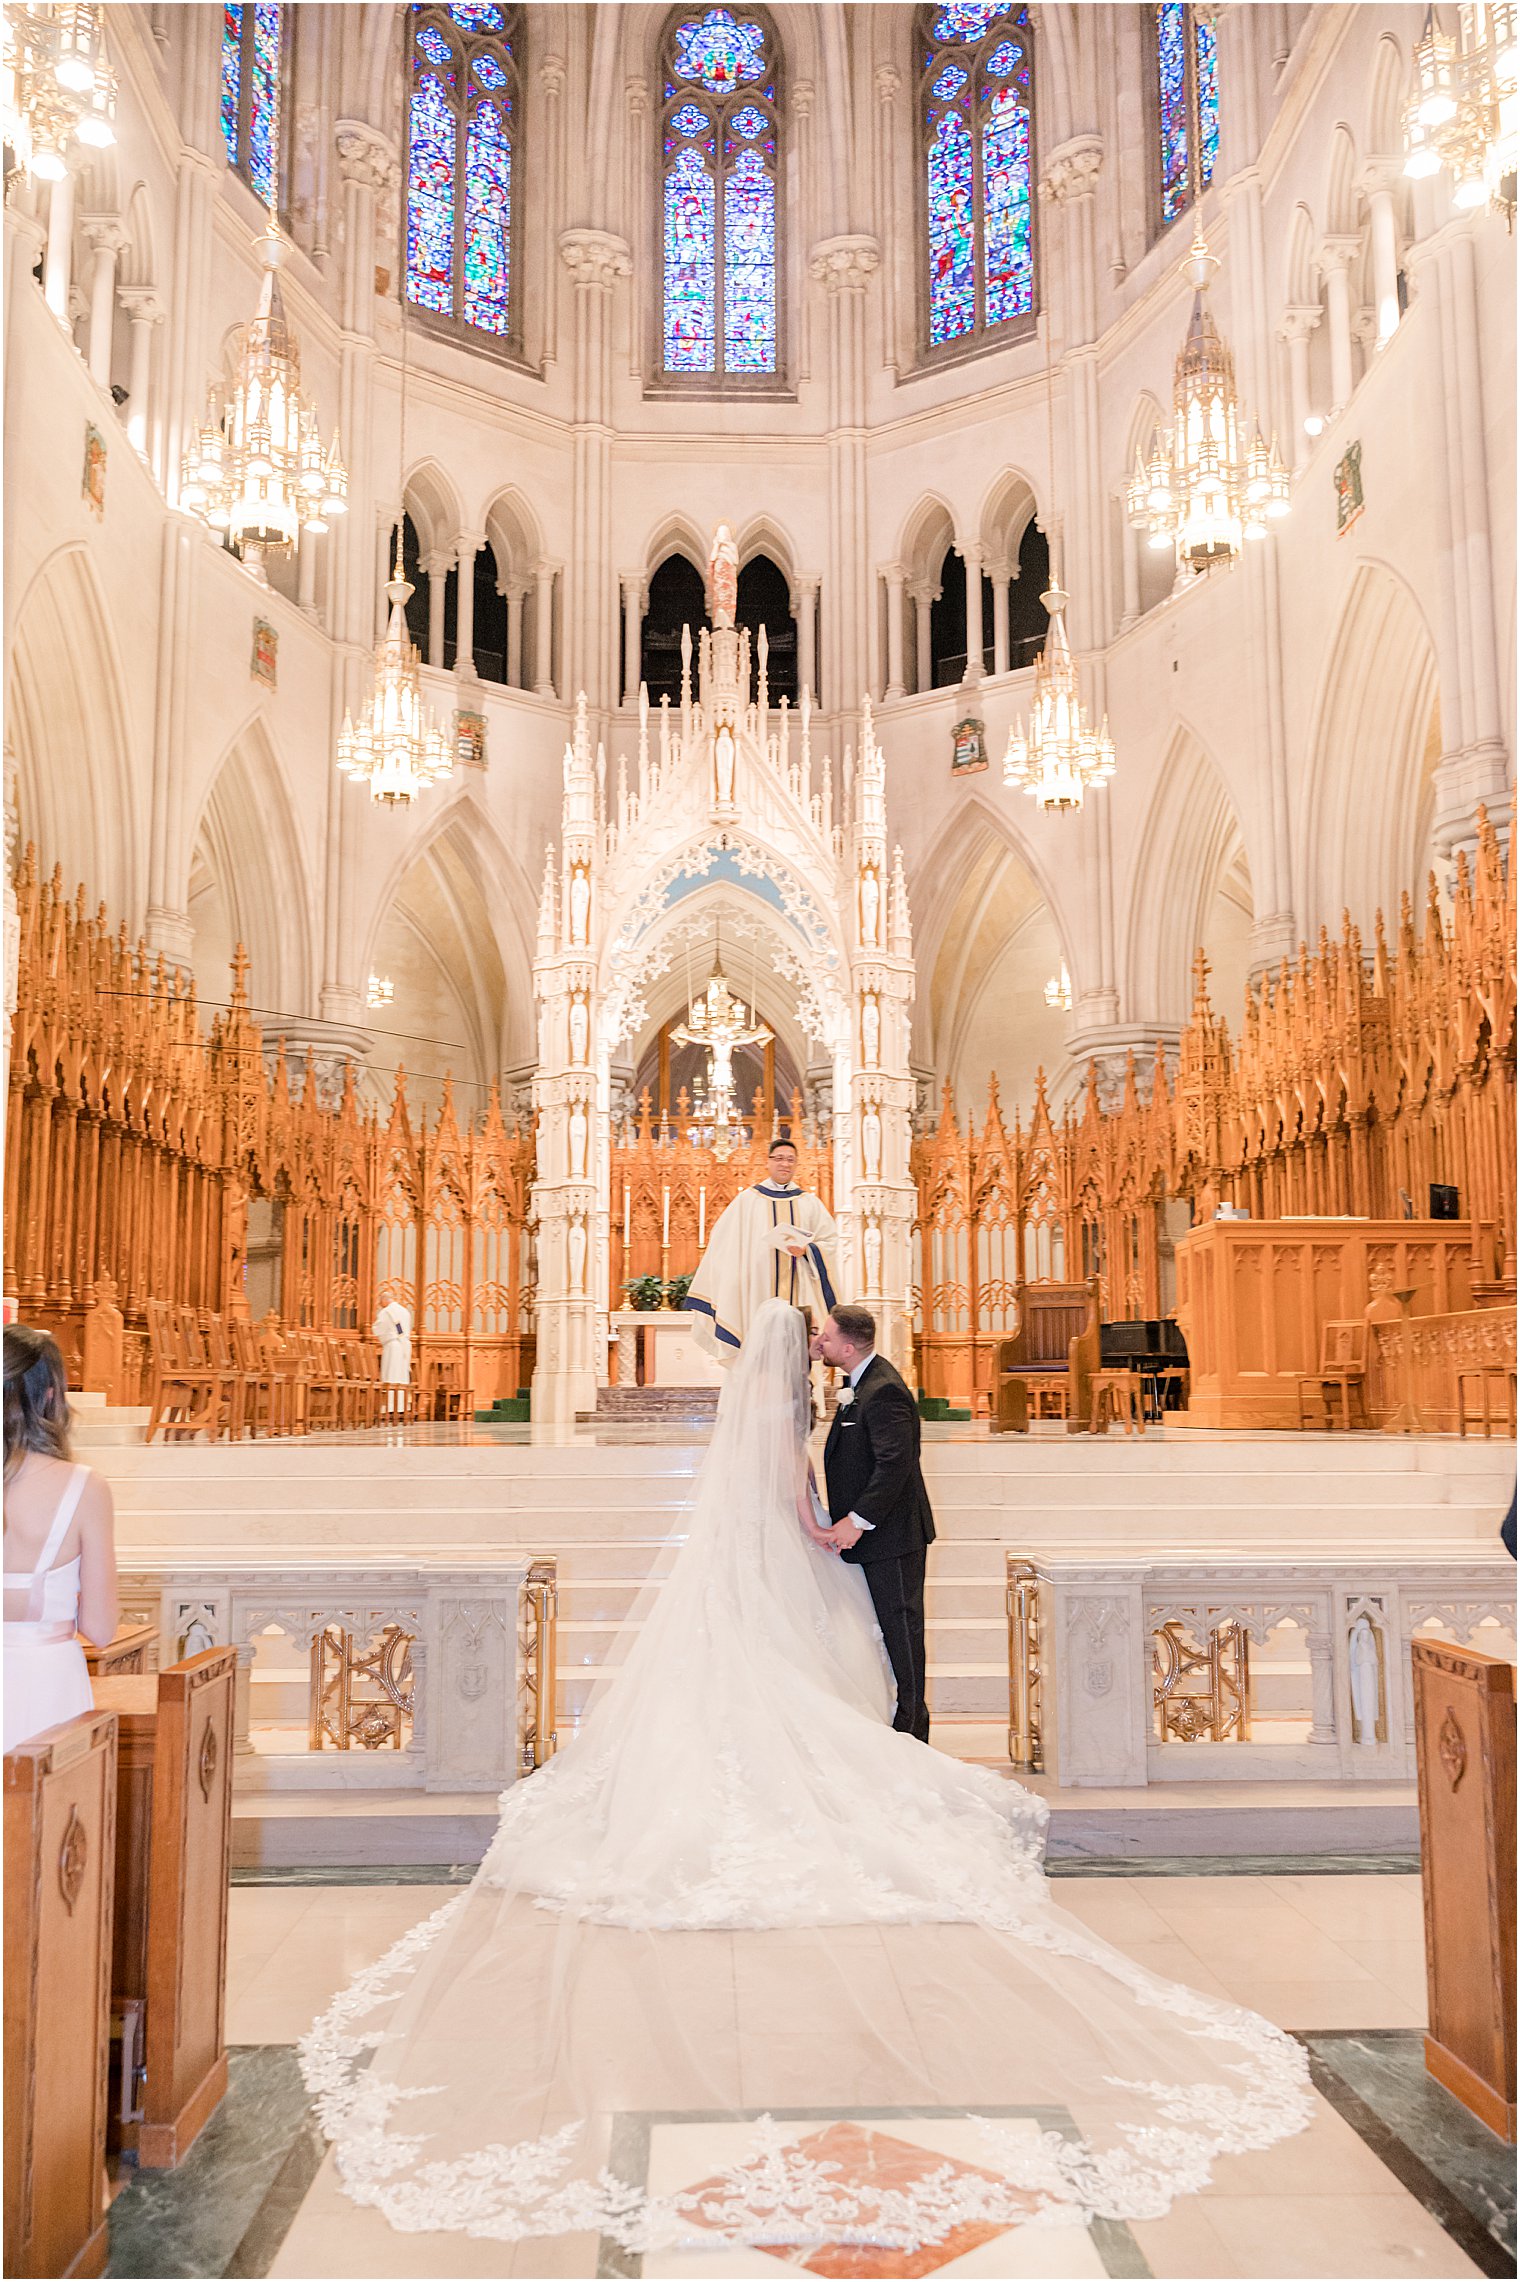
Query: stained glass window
point(252, 66)
point(718, 197)
point(976, 116)
point(463, 122)
point(1187, 73)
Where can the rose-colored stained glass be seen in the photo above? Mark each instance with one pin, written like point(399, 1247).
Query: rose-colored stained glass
point(967, 19)
point(720, 51)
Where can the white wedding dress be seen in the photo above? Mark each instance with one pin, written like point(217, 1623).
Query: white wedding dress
point(738, 1894)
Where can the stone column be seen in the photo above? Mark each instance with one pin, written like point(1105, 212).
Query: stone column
point(971, 560)
point(1000, 618)
point(552, 73)
point(107, 236)
point(437, 568)
point(202, 167)
point(516, 593)
point(1130, 564)
point(469, 544)
point(924, 596)
point(168, 922)
point(1295, 327)
point(543, 629)
point(595, 260)
point(806, 606)
point(144, 311)
point(844, 267)
point(385, 556)
point(633, 589)
point(888, 88)
point(57, 273)
point(1321, 1688)
point(306, 575)
point(1334, 263)
point(1380, 177)
point(896, 577)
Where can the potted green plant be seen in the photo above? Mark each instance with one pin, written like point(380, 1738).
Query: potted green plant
point(645, 1293)
point(676, 1290)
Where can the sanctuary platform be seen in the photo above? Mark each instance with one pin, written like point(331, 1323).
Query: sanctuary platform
point(1287, 1537)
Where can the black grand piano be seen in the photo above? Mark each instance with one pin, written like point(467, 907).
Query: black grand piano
point(1154, 1348)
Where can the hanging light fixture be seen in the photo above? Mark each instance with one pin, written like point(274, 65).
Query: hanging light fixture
point(1205, 491)
point(255, 468)
point(381, 991)
point(56, 88)
point(1058, 992)
point(1059, 754)
point(1463, 110)
point(396, 747)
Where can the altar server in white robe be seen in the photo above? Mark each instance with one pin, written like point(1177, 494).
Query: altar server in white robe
point(775, 1241)
point(393, 1328)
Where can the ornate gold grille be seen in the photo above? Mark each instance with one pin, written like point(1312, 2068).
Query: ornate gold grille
point(1026, 1743)
point(1202, 1695)
point(362, 1695)
point(537, 1664)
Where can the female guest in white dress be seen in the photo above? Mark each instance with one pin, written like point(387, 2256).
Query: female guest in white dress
point(740, 1905)
point(60, 1552)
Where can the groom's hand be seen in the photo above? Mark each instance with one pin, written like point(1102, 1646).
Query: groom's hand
point(846, 1533)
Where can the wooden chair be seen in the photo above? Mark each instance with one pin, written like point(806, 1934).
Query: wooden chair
point(217, 1379)
point(179, 1386)
point(282, 1361)
point(320, 1380)
point(1046, 1368)
point(1488, 1376)
point(60, 1809)
point(448, 1394)
point(173, 1856)
point(259, 1379)
point(1342, 1370)
point(233, 1390)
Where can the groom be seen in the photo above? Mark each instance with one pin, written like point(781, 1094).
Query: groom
point(877, 1500)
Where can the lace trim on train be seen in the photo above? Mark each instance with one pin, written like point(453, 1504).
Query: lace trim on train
point(775, 2194)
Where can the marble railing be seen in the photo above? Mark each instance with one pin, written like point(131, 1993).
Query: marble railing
point(415, 1675)
point(1128, 1673)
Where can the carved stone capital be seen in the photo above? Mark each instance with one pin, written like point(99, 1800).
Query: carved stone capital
point(1335, 254)
point(552, 74)
point(803, 96)
point(845, 263)
point(366, 156)
point(888, 82)
point(595, 257)
point(107, 233)
point(1072, 170)
point(142, 304)
point(1298, 323)
point(636, 94)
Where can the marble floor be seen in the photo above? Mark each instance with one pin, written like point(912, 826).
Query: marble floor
point(1392, 2179)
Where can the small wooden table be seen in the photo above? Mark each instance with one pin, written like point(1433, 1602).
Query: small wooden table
point(1117, 1395)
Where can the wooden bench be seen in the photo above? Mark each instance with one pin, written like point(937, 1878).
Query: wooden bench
point(133, 1649)
point(169, 1949)
point(60, 1867)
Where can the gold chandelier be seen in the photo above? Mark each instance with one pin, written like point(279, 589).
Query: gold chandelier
point(396, 747)
point(1059, 755)
point(1205, 491)
point(56, 88)
point(1463, 111)
point(255, 467)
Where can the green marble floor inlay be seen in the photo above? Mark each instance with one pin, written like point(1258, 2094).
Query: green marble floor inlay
point(227, 2208)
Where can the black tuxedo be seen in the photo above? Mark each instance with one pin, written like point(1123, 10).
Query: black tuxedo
point(871, 1467)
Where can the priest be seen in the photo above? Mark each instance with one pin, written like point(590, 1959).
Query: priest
point(775, 1241)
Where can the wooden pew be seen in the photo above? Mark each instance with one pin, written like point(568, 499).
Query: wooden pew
point(60, 1830)
point(173, 1850)
point(1464, 1716)
point(132, 1650)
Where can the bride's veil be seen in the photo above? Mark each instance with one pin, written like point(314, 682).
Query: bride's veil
point(739, 1897)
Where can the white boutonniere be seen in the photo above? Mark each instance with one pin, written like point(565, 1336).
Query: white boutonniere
point(845, 1397)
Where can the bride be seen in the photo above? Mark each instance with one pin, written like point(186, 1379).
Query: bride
point(739, 1897)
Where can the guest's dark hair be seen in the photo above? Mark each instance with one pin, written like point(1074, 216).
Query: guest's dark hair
point(36, 1396)
point(857, 1323)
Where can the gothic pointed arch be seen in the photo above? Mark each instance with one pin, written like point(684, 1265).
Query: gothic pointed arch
point(975, 82)
point(464, 164)
point(719, 122)
point(1192, 890)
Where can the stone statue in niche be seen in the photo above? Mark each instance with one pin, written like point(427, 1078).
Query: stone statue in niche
point(870, 907)
point(723, 767)
point(578, 1142)
point(578, 1254)
point(723, 577)
point(870, 1142)
point(580, 1028)
point(1366, 1683)
point(870, 1030)
point(873, 1256)
point(580, 903)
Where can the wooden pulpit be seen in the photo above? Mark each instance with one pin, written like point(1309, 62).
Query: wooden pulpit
point(60, 1829)
point(173, 1852)
point(1464, 1716)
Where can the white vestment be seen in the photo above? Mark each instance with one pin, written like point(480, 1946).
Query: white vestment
point(744, 1265)
point(393, 1328)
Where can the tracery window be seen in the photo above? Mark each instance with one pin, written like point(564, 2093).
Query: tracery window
point(1187, 85)
point(251, 70)
point(719, 142)
point(976, 110)
point(463, 151)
